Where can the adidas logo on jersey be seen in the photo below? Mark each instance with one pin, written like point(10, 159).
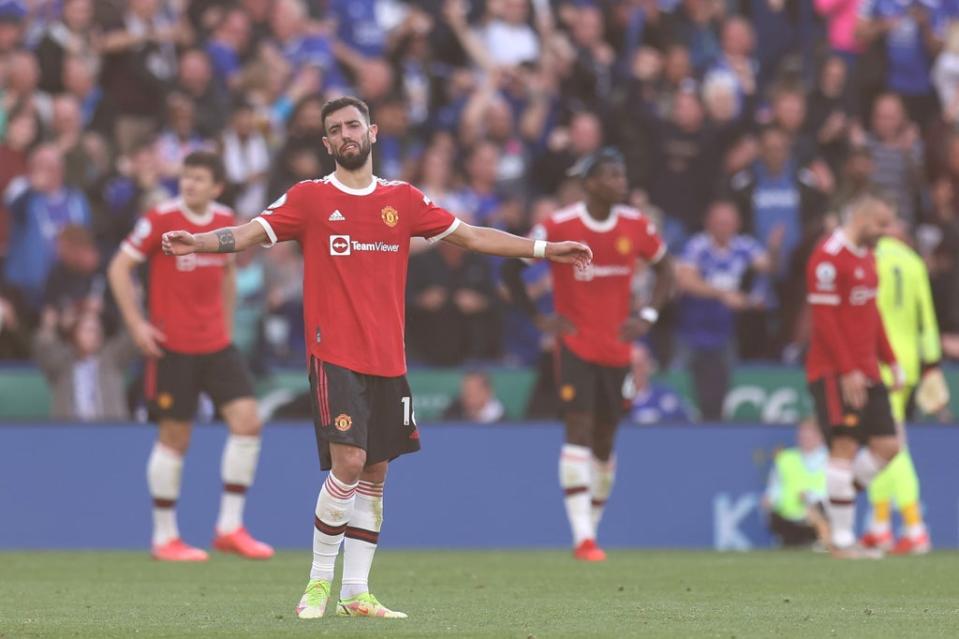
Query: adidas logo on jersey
point(336, 216)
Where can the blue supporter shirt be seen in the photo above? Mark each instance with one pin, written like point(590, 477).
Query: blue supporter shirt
point(317, 51)
point(708, 323)
point(37, 220)
point(776, 202)
point(357, 26)
point(908, 62)
point(225, 61)
point(657, 404)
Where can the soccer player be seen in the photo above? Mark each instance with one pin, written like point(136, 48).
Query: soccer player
point(187, 343)
point(905, 304)
point(355, 232)
point(596, 325)
point(842, 367)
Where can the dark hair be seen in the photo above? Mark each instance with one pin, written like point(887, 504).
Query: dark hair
point(588, 165)
point(342, 103)
point(207, 160)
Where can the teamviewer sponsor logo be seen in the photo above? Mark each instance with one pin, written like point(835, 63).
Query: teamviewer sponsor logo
point(340, 245)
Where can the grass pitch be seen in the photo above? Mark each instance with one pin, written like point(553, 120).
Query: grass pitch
point(524, 594)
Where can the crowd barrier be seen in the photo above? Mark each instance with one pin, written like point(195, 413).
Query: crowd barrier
point(84, 486)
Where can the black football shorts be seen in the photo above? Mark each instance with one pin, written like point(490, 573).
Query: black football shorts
point(369, 412)
point(585, 387)
point(836, 417)
point(173, 383)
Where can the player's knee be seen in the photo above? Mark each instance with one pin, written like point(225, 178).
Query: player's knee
point(242, 418)
point(348, 463)
point(885, 448)
point(843, 447)
point(175, 435)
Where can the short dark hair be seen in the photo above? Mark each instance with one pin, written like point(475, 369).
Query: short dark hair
point(207, 160)
point(341, 103)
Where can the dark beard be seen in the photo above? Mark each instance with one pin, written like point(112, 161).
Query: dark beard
point(353, 162)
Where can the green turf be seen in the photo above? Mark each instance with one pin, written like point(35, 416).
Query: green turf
point(488, 594)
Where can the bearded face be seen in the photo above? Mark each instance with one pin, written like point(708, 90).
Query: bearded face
point(352, 154)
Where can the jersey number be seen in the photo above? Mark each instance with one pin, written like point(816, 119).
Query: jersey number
point(408, 414)
point(897, 276)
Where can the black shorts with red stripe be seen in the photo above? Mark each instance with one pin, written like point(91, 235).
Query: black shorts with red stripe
point(367, 411)
point(173, 383)
point(837, 418)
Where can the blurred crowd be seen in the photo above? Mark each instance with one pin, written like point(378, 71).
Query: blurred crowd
point(745, 124)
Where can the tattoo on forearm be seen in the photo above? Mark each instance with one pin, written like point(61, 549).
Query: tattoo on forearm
point(226, 243)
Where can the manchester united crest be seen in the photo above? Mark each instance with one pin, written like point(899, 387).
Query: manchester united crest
point(390, 216)
point(623, 245)
point(343, 422)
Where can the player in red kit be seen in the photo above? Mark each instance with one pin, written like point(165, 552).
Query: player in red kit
point(842, 367)
point(355, 232)
point(596, 324)
point(188, 345)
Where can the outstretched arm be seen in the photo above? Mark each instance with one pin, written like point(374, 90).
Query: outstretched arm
point(226, 240)
point(493, 242)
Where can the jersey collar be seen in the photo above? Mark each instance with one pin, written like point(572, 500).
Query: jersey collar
point(597, 226)
point(855, 250)
point(366, 190)
point(194, 217)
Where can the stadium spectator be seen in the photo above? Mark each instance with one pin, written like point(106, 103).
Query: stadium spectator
point(712, 274)
point(302, 46)
point(897, 154)
point(179, 138)
point(650, 402)
point(139, 66)
point(796, 489)
point(195, 81)
point(41, 205)
point(12, 16)
point(452, 313)
point(21, 92)
point(79, 80)
point(86, 372)
point(735, 63)
point(246, 155)
point(476, 402)
point(829, 114)
point(74, 282)
point(71, 35)
point(226, 46)
point(22, 132)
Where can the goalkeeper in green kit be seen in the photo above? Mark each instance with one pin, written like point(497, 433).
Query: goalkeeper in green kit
point(905, 304)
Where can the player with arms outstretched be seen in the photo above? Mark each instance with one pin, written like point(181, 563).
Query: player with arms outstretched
point(596, 325)
point(188, 345)
point(355, 232)
point(842, 367)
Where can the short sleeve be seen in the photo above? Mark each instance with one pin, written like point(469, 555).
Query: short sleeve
point(429, 220)
point(285, 219)
point(144, 240)
point(822, 281)
point(649, 244)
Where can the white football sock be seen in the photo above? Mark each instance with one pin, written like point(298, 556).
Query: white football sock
point(603, 476)
point(164, 470)
point(865, 467)
point(362, 535)
point(574, 479)
point(334, 507)
point(841, 504)
point(238, 466)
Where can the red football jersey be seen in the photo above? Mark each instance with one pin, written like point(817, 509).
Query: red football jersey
point(356, 244)
point(847, 330)
point(186, 292)
point(599, 299)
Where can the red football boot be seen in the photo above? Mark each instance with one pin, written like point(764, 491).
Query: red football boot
point(882, 541)
point(587, 550)
point(176, 550)
point(240, 542)
point(917, 545)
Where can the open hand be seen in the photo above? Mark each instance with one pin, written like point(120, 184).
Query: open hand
point(178, 243)
point(633, 328)
point(147, 337)
point(554, 324)
point(569, 253)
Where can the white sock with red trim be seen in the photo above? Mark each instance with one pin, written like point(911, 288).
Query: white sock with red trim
point(574, 478)
point(841, 504)
point(602, 478)
point(164, 470)
point(362, 536)
point(240, 456)
point(334, 507)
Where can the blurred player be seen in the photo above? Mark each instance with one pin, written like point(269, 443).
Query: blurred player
point(188, 345)
point(355, 232)
point(905, 304)
point(847, 343)
point(595, 321)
